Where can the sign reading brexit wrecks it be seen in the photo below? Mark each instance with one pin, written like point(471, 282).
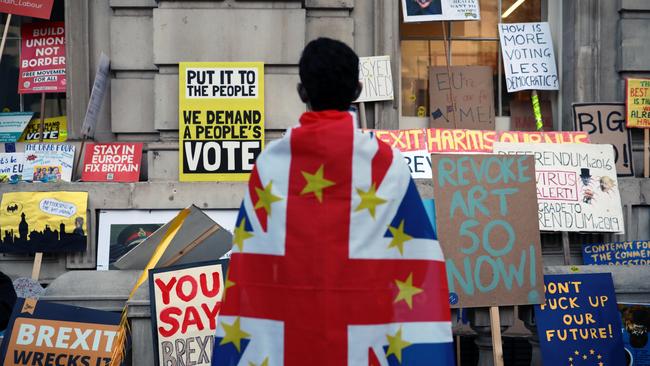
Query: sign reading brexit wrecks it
point(114, 162)
point(637, 103)
point(487, 227)
point(619, 253)
point(579, 323)
point(221, 119)
point(528, 57)
point(42, 58)
point(43, 333)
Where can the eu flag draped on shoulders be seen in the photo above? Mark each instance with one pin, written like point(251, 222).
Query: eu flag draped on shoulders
point(334, 260)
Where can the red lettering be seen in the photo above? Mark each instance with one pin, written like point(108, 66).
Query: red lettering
point(180, 288)
point(212, 313)
point(165, 288)
point(216, 284)
point(167, 318)
point(192, 317)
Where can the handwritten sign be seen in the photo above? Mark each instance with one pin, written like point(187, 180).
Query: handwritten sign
point(605, 123)
point(185, 303)
point(11, 167)
point(528, 57)
point(428, 10)
point(48, 162)
point(42, 58)
point(13, 124)
point(619, 253)
point(473, 97)
point(579, 323)
point(114, 162)
point(637, 103)
point(55, 129)
point(376, 77)
point(487, 228)
point(32, 8)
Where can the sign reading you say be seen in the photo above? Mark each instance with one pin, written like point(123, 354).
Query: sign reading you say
point(42, 58)
point(487, 227)
point(377, 79)
point(577, 188)
point(221, 119)
point(637, 102)
point(528, 57)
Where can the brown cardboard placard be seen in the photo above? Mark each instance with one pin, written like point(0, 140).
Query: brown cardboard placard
point(522, 117)
point(487, 226)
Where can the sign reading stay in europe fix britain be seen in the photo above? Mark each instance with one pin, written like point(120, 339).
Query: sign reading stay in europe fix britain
point(221, 119)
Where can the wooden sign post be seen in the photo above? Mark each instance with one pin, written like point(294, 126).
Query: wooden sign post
point(4, 36)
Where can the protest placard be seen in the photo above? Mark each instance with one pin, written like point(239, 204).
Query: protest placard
point(377, 79)
point(435, 10)
point(42, 58)
point(55, 129)
point(185, 303)
point(579, 323)
point(487, 227)
point(112, 162)
point(637, 103)
point(48, 162)
point(522, 116)
point(620, 253)
point(45, 333)
point(636, 323)
point(221, 119)
point(528, 57)
point(605, 123)
point(43, 222)
point(11, 167)
point(100, 85)
point(32, 8)
point(13, 124)
point(577, 189)
point(472, 106)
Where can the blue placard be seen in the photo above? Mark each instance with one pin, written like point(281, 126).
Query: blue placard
point(579, 324)
point(619, 253)
point(13, 124)
point(636, 323)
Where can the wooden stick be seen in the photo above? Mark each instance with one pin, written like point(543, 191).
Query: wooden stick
point(4, 36)
point(458, 350)
point(646, 153)
point(449, 75)
point(362, 115)
point(41, 128)
point(81, 156)
point(497, 343)
point(36, 269)
point(189, 247)
point(566, 248)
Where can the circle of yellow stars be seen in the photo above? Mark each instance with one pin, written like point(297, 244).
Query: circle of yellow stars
point(584, 356)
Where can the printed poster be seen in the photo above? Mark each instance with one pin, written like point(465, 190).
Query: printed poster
point(435, 10)
point(66, 335)
point(579, 323)
point(637, 103)
point(185, 303)
point(376, 77)
point(32, 8)
point(577, 188)
point(55, 129)
point(221, 119)
point(620, 253)
point(42, 58)
point(48, 222)
point(636, 322)
point(528, 57)
point(12, 125)
point(486, 225)
point(48, 162)
point(11, 167)
point(112, 162)
point(605, 123)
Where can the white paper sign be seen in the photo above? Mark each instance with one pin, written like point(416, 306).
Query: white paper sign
point(577, 188)
point(377, 79)
point(48, 162)
point(435, 10)
point(528, 57)
point(11, 167)
point(419, 162)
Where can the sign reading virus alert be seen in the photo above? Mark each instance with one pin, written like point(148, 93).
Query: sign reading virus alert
point(221, 119)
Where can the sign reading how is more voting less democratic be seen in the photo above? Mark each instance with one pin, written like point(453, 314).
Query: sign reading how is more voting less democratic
point(221, 119)
point(487, 227)
point(619, 253)
point(427, 10)
point(185, 304)
point(637, 102)
point(528, 57)
point(43, 333)
point(579, 324)
point(605, 123)
point(577, 188)
point(114, 162)
point(377, 79)
point(42, 58)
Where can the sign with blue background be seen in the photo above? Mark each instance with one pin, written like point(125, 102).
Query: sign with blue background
point(13, 124)
point(626, 252)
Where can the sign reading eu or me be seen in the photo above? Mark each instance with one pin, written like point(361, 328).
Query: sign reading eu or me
point(579, 323)
point(620, 253)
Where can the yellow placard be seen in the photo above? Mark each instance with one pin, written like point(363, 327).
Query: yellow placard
point(637, 103)
point(221, 119)
point(55, 129)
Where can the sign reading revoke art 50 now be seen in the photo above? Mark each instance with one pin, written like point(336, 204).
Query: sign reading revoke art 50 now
point(221, 119)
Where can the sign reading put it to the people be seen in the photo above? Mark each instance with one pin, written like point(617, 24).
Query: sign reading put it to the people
point(487, 227)
point(637, 103)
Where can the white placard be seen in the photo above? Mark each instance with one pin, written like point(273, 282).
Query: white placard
point(419, 162)
point(48, 163)
point(376, 78)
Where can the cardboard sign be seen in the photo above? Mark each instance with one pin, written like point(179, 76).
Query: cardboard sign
point(185, 303)
point(48, 162)
point(113, 162)
point(636, 323)
point(473, 97)
point(11, 167)
point(102, 78)
point(48, 222)
point(42, 58)
point(487, 227)
point(577, 189)
point(579, 323)
point(605, 123)
point(55, 129)
point(637, 103)
point(620, 253)
point(32, 8)
point(13, 124)
point(221, 119)
point(435, 10)
point(528, 57)
point(45, 333)
point(376, 78)
point(522, 117)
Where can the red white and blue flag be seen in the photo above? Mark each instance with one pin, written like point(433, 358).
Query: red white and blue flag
point(334, 259)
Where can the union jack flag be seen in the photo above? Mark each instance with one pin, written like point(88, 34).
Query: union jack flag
point(334, 260)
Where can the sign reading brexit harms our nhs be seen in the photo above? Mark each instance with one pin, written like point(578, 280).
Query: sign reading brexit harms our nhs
point(577, 189)
point(221, 119)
